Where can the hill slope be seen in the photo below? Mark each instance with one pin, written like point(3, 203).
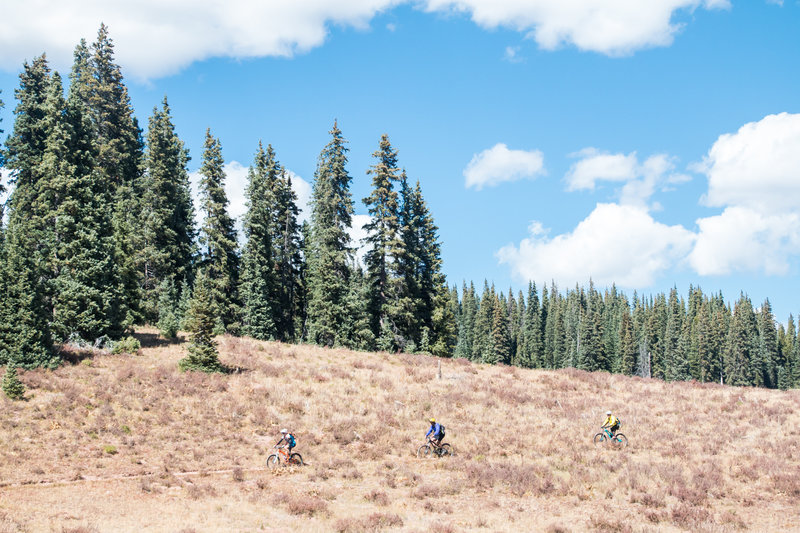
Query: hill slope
point(129, 443)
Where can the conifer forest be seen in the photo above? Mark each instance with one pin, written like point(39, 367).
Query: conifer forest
point(99, 234)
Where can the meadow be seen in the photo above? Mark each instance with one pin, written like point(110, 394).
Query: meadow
point(114, 443)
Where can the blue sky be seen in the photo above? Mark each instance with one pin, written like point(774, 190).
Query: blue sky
point(648, 144)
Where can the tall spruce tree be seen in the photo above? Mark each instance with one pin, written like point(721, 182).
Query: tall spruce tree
point(167, 215)
point(482, 339)
point(86, 298)
point(218, 237)
point(25, 337)
point(385, 247)
point(500, 345)
point(329, 250)
point(258, 271)
point(97, 80)
point(742, 345)
point(769, 359)
point(466, 325)
point(287, 254)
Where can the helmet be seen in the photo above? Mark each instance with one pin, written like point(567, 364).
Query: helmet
point(432, 420)
point(608, 413)
point(284, 431)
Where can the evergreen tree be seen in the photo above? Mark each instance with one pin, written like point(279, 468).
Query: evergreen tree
point(769, 355)
point(203, 355)
point(25, 334)
point(86, 297)
point(627, 361)
point(329, 250)
point(168, 313)
point(385, 247)
point(482, 341)
point(167, 214)
point(97, 80)
point(466, 326)
point(742, 346)
point(12, 386)
point(356, 328)
point(500, 347)
point(532, 356)
point(258, 270)
point(218, 236)
point(287, 243)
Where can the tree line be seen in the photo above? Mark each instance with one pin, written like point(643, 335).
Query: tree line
point(667, 337)
point(101, 235)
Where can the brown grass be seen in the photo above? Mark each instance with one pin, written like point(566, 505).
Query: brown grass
point(118, 442)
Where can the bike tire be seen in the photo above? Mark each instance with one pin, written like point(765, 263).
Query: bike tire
point(600, 438)
point(620, 440)
point(273, 460)
point(446, 450)
point(296, 459)
point(424, 451)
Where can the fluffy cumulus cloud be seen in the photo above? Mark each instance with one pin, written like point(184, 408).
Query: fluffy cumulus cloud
point(614, 28)
point(743, 240)
point(499, 164)
point(158, 37)
point(755, 175)
point(639, 180)
point(619, 244)
point(757, 167)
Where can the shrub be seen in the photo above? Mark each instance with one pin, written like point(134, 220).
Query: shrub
point(302, 504)
point(110, 449)
point(377, 497)
point(12, 386)
point(126, 345)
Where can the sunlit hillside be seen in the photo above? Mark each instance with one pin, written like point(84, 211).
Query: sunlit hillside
point(129, 443)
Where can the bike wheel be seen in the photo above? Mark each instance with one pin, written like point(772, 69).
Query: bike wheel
point(273, 460)
point(600, 438)
point(445, 450)
point(620, 440)
point(424, 451)
point(295, 459)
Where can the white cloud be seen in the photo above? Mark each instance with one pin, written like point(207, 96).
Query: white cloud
point(614, 28)
point(499, 164)
point(159, 37)
point(640, 180)
point(744, 240)
point(619, 244)
point(596, 166)
point(757, 167)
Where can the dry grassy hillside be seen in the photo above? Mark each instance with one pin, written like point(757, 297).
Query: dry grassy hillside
point(129, 443)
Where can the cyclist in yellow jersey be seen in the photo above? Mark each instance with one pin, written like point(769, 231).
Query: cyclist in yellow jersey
point(612, 423)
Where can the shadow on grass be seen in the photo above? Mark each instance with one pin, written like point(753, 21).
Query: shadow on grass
point(154, 340)
point(73, 355)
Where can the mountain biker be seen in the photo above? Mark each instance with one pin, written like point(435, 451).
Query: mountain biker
point(288, 440)
point(612, 423)
point(435, 433)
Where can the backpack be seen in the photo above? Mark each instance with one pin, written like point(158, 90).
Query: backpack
point(441, 431)
point(292, 441)
point(619, 423)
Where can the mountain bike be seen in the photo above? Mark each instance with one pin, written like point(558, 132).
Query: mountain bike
point(282, 455)
point(619, 440)
point(431, 448)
